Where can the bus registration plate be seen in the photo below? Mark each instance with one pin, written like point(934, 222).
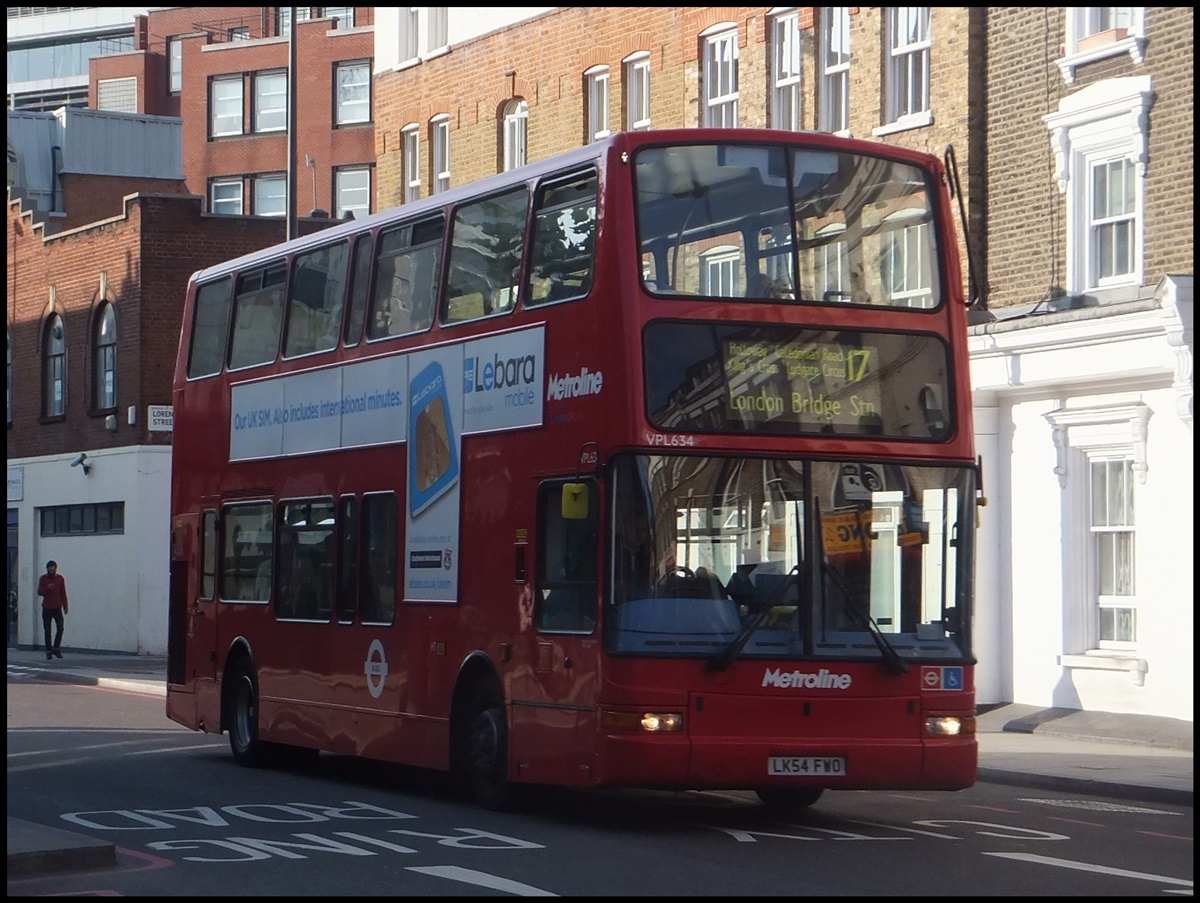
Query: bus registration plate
point(805, 766)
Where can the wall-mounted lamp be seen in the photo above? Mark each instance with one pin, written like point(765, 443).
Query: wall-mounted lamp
point(81, 461)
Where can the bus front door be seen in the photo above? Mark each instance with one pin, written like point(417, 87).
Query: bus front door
point(554, 716)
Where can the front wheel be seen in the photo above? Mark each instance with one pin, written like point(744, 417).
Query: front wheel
point(485, 758)
point(247, 749)
point(789, 799)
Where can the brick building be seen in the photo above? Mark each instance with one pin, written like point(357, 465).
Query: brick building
point(224, 71)
point(94, 314)
point(1083, 381)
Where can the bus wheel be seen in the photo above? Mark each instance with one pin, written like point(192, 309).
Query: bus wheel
point(789, 799)
point(485, 758)
point(243, 718)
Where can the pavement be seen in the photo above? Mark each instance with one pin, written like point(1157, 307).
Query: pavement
point(1139, 758)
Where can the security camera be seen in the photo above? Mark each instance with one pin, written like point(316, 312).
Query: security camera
point(79, 459)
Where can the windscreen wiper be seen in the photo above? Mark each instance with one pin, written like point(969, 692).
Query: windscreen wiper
point(758, 616)
point(891, 657)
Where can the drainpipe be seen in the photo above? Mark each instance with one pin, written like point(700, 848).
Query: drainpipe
point(55, 153)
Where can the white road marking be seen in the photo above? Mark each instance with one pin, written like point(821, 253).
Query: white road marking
point(1100, 806)
point(481, 879)
point(1089, 867)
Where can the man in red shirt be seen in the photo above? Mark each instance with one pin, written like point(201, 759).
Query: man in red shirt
point(53, 590)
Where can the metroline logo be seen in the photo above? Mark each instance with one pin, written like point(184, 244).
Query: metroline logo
point(822, 680)
point(585, 382)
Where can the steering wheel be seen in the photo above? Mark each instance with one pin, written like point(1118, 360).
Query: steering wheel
point(676, 573)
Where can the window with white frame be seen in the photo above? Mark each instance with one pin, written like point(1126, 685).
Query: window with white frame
point(411, 136)
point(720, 272)
point(270, 195)
point(239, 33)
point(637, 92)
point(1101, 458)
point(833, 99)
point(353, 93)
point(424, 30)
point(721, 77)
point(283, 19)
point(225, 197)
point(226, 106)
point(174, 65)
point(1112, 549)
point(908, 265)
point(906, 78)
point(516, 126)
point(117, 94)
point(270, 101)
point(831, 263)
point(440, 140)
point(343, 14)
point(1099, 137)
point(410, 33)
point(785, 72)
point(54, 360)
point(353, 187)
point(105, 350)
point(1098, 32)
point(1113, 219)
point(597, 81)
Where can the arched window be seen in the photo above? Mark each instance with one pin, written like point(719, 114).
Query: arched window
point(516, 124)
point(105, 345)
point(54, 381)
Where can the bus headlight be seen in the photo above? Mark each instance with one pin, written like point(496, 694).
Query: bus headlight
point(949, 725)
point(651, 722)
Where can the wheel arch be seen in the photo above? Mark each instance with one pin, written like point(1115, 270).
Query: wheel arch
point(239, 651)
point(476, 672)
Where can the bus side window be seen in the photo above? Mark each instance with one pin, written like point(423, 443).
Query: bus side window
point(406, 276)
point(486, 245)
point(246, 541)
point(360, 277)
point(564, 243)
point(210, 324)
point(378, 605)
point(314, 315)
point(566, 564)
point(257, 316)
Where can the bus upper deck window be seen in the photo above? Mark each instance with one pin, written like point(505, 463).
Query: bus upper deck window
point(486, 245)
point(257, 316)
point(564, 241)
point(210, 324)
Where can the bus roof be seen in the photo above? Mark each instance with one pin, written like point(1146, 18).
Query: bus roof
point(566, 160)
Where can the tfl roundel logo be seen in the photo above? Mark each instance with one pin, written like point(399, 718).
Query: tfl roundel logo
point(941, 677)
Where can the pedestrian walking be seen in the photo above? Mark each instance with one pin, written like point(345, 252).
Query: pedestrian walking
point(53, 590)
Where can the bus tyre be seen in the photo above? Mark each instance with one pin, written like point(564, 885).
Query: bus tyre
point(485, 758)
point(247, 749)
point(789, 799)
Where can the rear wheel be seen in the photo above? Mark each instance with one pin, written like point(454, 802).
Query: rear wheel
point(243, 718)
point(789, 799)
point(485, 756)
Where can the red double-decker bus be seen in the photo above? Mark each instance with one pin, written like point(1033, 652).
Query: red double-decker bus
point(648, 465)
